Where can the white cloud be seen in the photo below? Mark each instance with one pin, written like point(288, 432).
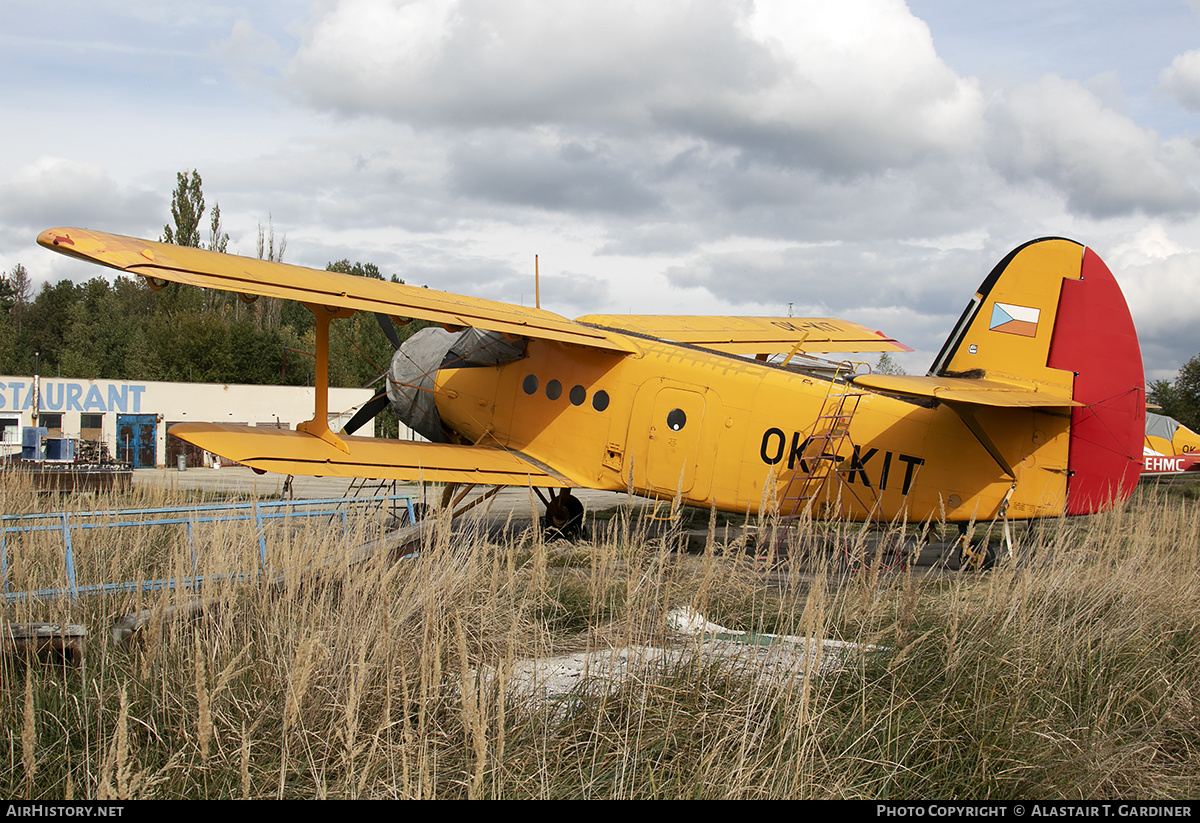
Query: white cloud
point(52, 191)
point(1182, 79)
point(742, 107)
point(473, 63)
point(1160, 278)
point(831, 278)
point(55, 191)
point(251, 56)
point(579, 176)
point(844, 87)
point(1057, 133)
point(858, 84)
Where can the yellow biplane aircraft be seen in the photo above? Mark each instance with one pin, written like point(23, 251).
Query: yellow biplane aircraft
point(1034, 407)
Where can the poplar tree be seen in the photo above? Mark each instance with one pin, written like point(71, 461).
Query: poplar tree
point(187, 208)
point(19, 289)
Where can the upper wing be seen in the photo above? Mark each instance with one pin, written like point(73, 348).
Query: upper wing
point(294, 452)
point(244, 275)
point(736, 335)
point(752, 335)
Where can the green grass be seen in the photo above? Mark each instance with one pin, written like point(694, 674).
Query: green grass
point(1072, 672)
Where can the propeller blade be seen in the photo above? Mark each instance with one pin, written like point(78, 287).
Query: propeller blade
point(367, 413)
point(389, 330)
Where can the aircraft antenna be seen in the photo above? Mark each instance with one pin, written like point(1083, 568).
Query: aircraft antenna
point(537, 284)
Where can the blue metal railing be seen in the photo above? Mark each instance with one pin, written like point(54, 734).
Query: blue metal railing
point(189, 516)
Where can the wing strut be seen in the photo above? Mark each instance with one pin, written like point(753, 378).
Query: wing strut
point(966, 413)
point(319, 425)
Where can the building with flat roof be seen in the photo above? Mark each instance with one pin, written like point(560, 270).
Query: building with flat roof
point(131, 417)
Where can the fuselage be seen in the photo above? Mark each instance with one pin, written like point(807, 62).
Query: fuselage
point(739, 435)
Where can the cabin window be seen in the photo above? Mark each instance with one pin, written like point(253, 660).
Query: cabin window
point(530, 385)
point(676, 420)
point(554, 390)
point(600, 400)
point(578, 395)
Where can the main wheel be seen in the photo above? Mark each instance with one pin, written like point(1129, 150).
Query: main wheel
point(563, 517)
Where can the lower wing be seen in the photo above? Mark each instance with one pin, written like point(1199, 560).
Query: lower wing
point(293, 452)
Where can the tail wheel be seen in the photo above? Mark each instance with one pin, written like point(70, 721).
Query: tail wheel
point(973, 558)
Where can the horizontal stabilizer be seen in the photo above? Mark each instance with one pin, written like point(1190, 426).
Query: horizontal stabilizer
point(752, 335)
point(294, 452)
point(979, 392)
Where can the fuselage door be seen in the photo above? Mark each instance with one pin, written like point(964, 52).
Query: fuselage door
point(673, 440)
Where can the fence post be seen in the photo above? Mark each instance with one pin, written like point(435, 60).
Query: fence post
point(262, 536)
point(70, 558)
point(4, 557)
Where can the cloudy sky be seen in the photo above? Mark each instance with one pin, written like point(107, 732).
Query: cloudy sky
point(864, 159)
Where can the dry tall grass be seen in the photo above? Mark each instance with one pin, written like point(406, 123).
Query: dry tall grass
point(1070, 673)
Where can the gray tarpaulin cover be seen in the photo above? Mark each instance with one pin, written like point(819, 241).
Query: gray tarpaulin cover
point(1159, 425)
point(415, 364)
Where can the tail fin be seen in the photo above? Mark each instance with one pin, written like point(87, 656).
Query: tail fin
point(1052, 317)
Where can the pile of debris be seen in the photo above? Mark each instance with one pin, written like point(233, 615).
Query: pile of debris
point(768, 656)
point(94, 452)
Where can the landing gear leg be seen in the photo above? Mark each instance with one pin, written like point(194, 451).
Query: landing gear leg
point(564, 517)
